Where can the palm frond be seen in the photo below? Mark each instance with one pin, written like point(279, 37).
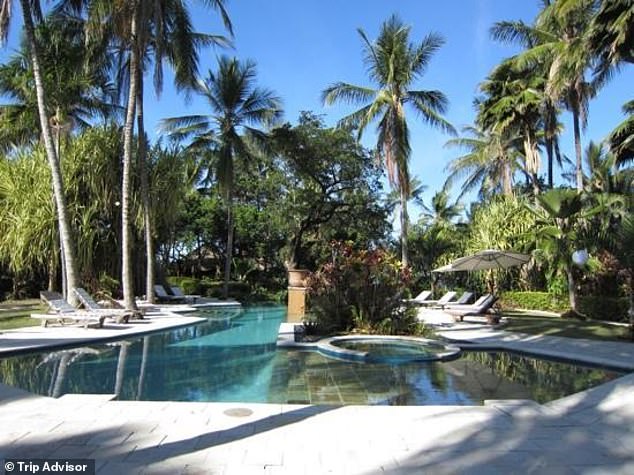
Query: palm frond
point(347, 93)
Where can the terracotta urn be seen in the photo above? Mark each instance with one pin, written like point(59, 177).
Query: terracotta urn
point(297, 277)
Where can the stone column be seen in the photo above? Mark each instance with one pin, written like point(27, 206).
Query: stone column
point(296, 295)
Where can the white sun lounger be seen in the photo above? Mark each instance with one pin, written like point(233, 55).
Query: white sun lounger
point(63, 312)
point(119, 314)
point(419, 299)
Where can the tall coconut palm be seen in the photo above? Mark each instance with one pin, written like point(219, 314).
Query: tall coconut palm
point(559, 40)
point(612, 35)
point(393, 198)
point(393, 64)
point(76, 95)
point(238, 107)
point(512, 106)
point(621, 139)
point(167, 36)
point(31, 9)
point(145, 29)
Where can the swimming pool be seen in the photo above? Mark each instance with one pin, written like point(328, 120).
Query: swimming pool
point(233, 357)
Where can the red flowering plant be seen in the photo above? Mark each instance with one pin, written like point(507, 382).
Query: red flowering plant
point(360, 290)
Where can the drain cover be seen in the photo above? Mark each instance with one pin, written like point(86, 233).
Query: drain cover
point(238, 412)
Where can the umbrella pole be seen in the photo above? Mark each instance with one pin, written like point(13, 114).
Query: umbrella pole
point(491, 281)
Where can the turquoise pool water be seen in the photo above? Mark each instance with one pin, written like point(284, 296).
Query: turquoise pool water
point(233, 357)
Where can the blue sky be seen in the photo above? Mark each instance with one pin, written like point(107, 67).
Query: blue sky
point(301, 46)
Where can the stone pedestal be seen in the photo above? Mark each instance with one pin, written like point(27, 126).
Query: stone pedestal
point(296, 304)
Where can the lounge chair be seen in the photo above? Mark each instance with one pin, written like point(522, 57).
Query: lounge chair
point(163, 297)
point(65, 312)
point(445, 299)
point(177, 292)
point(420, 298)
point(120, 315)
point(479, 307)
point(463, 300)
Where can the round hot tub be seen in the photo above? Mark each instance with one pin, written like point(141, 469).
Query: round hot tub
point(386, 349)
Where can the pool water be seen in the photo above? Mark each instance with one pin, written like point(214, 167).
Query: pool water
point(233, 357)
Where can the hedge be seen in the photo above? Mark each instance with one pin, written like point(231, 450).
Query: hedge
point(534, 301)
point(594, 306)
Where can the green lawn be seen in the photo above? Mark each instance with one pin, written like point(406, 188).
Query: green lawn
point(16, 314)
point(525, 322)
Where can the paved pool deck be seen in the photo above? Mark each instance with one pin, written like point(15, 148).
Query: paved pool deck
point(591, 432)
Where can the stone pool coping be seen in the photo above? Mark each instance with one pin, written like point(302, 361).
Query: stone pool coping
point(607, 354)
point(37, 338)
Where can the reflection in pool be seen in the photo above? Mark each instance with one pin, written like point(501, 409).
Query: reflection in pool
point(234, 358)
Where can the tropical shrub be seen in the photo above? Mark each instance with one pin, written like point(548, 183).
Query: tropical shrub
point(593, 306)
point(360, 289)
point(599, 307)
point(534, 301)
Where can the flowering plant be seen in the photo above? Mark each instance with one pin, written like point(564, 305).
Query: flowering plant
point(360, 289)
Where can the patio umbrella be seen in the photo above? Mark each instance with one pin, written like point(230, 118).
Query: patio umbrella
point(484, 260)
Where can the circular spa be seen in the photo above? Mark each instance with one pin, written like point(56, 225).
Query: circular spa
point(387, 349)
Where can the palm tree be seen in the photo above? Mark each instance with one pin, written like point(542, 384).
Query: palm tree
point(625, 253)
point(558, 41)
point(604, 176)
point(563, 223)
point(512, 106)
point(393, 198)
point(621, 139)
point(167, 36)
point(490, 162)
point(393, 63)
point(441, 212)
point(612, 35)
point(237, 106)
point(142, 28)
point(29, 10)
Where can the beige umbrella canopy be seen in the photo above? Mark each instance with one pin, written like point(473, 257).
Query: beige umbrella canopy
point(484, 260)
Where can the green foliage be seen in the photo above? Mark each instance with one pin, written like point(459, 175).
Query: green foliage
point(360, 289)
point(189, 285)
point(108, 285)
point(533, 301)
point(600, 307)
point(595, 307)
point(501, 223)
point(330, 191)
point(210, 288)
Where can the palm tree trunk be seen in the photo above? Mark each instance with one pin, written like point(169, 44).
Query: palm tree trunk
point(551, 158)
point(68, 249)
point(577, 131)
point(630, 311)
point(225, 288)
point(404, 229)
point(127, 278)
point(145, 195)
point(507, 183)
point(572, 290)
point(52, 274)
